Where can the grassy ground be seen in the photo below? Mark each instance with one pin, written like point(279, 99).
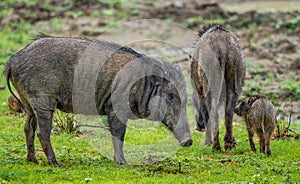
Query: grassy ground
point(83, 162)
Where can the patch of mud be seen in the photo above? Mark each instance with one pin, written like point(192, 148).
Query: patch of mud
point(42, 11)
point(185, 9)
point(261, 6)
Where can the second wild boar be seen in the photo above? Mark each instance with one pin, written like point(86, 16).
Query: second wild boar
point(217, 72)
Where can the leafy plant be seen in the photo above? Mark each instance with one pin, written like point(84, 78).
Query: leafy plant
point(290, 25)
point(292, 86)
point(65, 122)
point(115, 3)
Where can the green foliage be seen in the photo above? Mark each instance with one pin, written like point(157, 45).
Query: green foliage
point(290, 25)
point(237, 22)
point(116, 3)
point(13, 38)
point(292, 86)
point(191, 22)
point(65, 122)
point(9, 2)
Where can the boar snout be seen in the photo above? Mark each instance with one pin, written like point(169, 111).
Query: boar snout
point(182, 134)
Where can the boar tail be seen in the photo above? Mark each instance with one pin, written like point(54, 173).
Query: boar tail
point(8, 76)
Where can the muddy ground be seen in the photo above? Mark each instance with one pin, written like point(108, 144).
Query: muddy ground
point(270, 39)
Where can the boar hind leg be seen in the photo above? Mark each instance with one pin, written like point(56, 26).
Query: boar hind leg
point(268, 137)
point(44, 123)
point(216, 143)
point(207, 104)
point(262, 145)
point(250, 135)
point(208, 134)
point(29, 129)
point(231, 101)
point(43, 108)
point(117, 129)
point(202, 116)
point(262, 141)
point(214, 121)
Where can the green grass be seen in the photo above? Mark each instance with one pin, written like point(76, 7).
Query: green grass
point(9, 2)
point(13, 38)
point(190, 22)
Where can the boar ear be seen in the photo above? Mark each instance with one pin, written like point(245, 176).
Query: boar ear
point(155, 91)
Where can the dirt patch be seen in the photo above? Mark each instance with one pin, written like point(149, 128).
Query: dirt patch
point(185, 9)
point(41, 11)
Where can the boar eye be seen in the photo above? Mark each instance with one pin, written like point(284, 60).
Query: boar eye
point(170, 96)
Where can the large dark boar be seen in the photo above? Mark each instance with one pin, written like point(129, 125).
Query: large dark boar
point(217, 72)
point(95, 77)
point(259, 114)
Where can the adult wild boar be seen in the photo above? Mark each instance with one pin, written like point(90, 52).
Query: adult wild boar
point(57, 73)
point(259, 114)
point(217, 72)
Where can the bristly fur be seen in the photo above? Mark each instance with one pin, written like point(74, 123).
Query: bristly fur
point(210, 28)
point(40, 35)
point(207, 29)
point(125, 49)
point(252, 99)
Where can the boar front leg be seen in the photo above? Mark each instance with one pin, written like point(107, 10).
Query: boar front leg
point(117, 130)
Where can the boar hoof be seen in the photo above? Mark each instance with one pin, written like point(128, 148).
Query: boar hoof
point(186, 143)
point(254, 150)
point(216, 147)
point(32, 159)
point(53, 162)
point(208, 141)
point(229, 143)
point(120, 160)
point(199, 129)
